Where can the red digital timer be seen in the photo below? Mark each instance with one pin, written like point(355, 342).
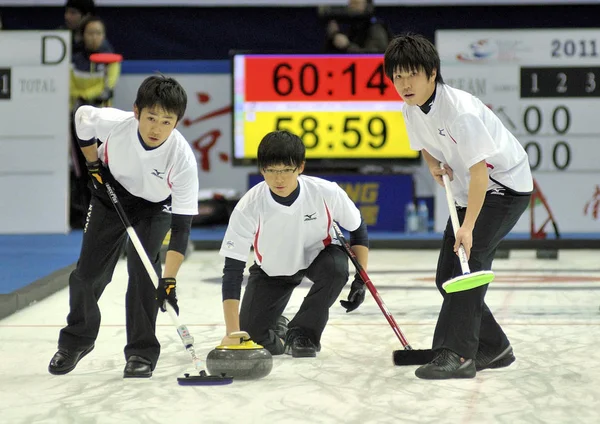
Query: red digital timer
point(317, 78)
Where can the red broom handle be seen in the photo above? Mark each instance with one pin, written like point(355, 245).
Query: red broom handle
point(371, 287)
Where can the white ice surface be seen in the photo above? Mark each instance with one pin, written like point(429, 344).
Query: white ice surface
point(549, 310)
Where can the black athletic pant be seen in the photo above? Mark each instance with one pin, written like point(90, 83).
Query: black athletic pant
point(265, 299)
point(465, 323)
point(103, 239)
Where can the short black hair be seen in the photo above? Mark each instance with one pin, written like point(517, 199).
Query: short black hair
point(164, 92)
point(412, 52)
point(281, 147)
point(85, 7)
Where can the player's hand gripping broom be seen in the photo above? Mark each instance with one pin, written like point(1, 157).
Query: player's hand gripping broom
point(468, 280)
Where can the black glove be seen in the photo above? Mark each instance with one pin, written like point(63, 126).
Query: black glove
point(166, 292)
point(356, 295)
point(98, 173)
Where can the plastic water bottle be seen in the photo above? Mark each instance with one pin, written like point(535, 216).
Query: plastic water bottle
point(411, 221)
point(423, 217)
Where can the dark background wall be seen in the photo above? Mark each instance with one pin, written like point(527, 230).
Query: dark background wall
point(209, 33)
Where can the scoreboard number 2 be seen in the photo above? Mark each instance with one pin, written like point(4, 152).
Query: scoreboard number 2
point(5, 83)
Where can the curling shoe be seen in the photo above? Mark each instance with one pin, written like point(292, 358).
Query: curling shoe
point(65, 360)
point(485, 359)
point(445, 365)
point(137, 367)
point(281, 327)
point(299, 345)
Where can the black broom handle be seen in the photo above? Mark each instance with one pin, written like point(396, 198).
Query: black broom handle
point(182, 330)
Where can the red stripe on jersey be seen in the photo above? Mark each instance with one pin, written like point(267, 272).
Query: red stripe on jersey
point(327, 240)
point(489, 165)
point(450, 135)
point(258, 255)
point(169, 178)
point(106, 151)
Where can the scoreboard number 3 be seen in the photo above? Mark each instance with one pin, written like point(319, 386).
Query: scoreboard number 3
point(5, 83)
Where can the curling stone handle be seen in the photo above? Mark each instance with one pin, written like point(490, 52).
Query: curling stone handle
point(242, 335)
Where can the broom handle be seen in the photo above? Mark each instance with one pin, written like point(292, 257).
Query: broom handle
point(182, 330)
point(462, 254)
point(371, 287)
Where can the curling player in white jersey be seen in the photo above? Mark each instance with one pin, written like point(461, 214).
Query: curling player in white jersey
point(154, 173)
point(492, 185)
point(287, 219)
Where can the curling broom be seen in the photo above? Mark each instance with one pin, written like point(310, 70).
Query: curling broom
point(408, 356)
point(182, 330)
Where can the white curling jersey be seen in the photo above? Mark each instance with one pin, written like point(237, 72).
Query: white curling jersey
point(461, 131)
point(168, 170)
point(287, 239)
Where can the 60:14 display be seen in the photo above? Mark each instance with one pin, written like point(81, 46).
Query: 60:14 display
point(354, 128)
point(308, 78)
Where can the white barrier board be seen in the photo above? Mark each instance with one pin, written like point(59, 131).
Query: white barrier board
point(34, 131)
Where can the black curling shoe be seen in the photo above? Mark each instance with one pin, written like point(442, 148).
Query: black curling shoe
point(299, 345)
point(137, 367)
point(485, 359)
point(281, 328)
point(65, 360)
point(447, 364)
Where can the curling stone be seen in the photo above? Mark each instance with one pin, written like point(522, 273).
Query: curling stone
point(245, 361)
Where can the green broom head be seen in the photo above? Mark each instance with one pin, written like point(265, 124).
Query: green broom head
point(468, 281)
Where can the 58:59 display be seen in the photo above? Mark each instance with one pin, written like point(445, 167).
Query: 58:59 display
point(354, 130)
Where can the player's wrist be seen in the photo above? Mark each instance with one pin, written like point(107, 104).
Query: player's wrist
point(468, 224)
point(168, 280)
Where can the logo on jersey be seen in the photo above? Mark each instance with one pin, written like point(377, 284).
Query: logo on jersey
point(441, 131)
point(229, 244)
point(310, 217)
point(158, 174)
point(166, 208)
point(497, 191)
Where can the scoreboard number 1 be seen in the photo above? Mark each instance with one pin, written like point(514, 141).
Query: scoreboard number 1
point(5, 83)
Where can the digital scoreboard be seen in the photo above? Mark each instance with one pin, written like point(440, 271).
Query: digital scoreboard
point(342, 106)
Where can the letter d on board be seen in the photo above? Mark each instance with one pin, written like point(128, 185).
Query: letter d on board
point(54, 50)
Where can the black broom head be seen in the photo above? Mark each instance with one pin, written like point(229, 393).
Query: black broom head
point(412, 357)
point(204, 379)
